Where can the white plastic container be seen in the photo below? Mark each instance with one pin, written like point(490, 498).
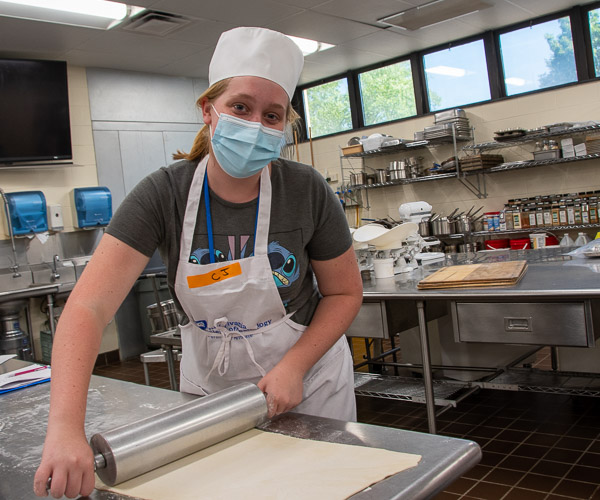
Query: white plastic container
point(384, 268)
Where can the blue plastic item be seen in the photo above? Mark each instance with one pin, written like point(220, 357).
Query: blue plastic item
point(27, 212)
point(93, 206)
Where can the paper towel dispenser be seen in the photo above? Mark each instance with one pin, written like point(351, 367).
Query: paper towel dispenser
point(93, 207)
point(27, 212)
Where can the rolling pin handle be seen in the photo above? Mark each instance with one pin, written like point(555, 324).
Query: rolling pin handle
point(99, 462)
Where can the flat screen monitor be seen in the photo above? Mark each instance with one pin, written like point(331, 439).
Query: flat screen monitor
point(34, 111)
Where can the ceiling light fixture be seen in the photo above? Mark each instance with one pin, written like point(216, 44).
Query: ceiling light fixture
point(308, 46)
point(446, 71)
point(434, 12)
point(99, 14)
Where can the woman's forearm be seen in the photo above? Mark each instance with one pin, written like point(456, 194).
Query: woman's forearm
point(74, 351)
point(333, 316)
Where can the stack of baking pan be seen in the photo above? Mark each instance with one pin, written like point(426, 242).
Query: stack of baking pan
point(445, 121)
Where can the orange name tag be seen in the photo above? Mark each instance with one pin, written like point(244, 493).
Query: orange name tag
point(215, 276)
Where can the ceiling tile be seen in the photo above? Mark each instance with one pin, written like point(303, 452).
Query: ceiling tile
point(143, 46)
point(342, 58)
point(37, 37)
point(195, 65)
point(322, 27)
point(386, 42)
point(201, 31)
point(303, 4)
point(239, 13)
point(366, 12)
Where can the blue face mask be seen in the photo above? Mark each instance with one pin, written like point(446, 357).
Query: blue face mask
point(244, 148)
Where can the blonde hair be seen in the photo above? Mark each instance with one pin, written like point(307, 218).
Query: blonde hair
point(201, 145)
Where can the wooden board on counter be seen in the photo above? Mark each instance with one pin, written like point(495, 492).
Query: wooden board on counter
point(475, 275)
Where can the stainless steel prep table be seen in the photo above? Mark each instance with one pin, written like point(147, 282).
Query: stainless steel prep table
point(24, 413)
point(550, 276)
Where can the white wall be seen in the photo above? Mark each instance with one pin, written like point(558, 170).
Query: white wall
point(578, 103)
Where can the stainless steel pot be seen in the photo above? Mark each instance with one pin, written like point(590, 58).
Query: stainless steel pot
point(382, 175)
point(397, 165)
point(467, 224)
point(358, 178)
point(442, 226)
point(424, 228)
point(396, 175)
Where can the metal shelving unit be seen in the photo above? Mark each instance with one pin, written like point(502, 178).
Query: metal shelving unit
point(447, 392)
point(533, 229)
point(488, 146)
point(407, 147)
point(548, 382)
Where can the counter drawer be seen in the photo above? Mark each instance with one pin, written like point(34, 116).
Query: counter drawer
point(533, 323)
point(370, 322)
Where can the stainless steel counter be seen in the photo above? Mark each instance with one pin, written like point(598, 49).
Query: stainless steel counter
point(550, 275)
point(24, 413)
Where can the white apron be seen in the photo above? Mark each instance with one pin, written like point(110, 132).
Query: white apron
point(238, 328)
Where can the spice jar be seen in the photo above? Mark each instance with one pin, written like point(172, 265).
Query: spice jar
point(539, 216)
point(555, 216)
point(585, 211)
point(508, 213)
point(593, 209)
point(547, 209)
point(562, 215)
point(516, 214)
point(577, 214)
point(525, 220)
point(570, 213)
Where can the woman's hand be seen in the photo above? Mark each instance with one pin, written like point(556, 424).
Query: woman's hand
point(67, 459)
point(283, 389)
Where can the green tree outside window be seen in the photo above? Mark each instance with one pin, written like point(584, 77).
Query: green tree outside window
point(387, 93)
point(327, 108)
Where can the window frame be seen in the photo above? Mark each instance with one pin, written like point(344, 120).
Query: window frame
point(533, 22)
point(377, 66)
point(582, 49)
point(300, 107)
point(448, 46)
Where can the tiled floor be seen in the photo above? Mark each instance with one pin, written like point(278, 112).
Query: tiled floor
point(535, 446)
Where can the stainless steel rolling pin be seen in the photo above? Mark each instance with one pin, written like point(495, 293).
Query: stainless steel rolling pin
point(136, 448)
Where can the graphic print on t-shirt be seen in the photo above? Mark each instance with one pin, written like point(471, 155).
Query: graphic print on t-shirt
point(284, 263)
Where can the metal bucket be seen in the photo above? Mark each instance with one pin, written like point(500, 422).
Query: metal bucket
point(169, 316)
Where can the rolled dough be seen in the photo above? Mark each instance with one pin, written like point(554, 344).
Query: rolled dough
point(268, 466)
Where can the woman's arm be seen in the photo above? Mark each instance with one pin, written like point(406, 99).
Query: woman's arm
point(340, 284)
point(107, 279)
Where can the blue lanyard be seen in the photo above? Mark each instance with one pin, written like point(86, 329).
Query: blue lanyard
point(209, 225)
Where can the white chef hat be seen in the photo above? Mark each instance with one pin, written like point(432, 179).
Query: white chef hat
point(257, 52)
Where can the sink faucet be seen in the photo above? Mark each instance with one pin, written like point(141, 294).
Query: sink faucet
point(55, 260)
point(15, 268)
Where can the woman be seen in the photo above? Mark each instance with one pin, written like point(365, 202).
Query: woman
point(241, 243)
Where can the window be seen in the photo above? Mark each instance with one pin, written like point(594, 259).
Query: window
point(327, 108)
point(594, 20)
point(387, 93)
point(538, 56)
point(456, 76)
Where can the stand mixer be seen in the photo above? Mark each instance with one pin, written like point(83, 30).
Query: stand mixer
point(388, 251)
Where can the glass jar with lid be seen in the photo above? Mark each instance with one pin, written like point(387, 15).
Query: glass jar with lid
point(562, 214)
point(593, 209)
point(525, 220)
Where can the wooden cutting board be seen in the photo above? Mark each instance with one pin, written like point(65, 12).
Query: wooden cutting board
point(475, 275)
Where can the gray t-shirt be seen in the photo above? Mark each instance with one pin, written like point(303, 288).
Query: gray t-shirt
point(307, 222)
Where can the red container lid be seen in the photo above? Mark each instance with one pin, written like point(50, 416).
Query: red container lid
point(520, 244)
point(495, 244)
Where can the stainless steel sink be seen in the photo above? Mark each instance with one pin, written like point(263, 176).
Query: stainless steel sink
point(44, 274)
point(9, 283)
